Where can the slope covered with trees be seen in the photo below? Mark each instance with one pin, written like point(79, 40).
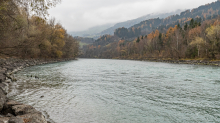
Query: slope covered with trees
point(189, 41)
point(190, 35)
point(31, 35)
point(129, 23)
point(201, 13)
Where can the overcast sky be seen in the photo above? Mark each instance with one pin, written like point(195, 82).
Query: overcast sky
point(79, 15)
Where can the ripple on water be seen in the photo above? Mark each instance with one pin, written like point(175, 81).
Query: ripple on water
point(121, 91)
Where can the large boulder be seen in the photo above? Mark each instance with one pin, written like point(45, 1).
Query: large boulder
point(23, 109)
point(33, 118)
point(8, 107)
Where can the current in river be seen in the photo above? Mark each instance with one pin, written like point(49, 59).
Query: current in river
point(121, 91)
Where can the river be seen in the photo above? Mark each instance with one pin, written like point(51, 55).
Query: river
point(121, 91)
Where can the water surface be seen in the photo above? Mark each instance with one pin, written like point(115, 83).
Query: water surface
point(121, 91)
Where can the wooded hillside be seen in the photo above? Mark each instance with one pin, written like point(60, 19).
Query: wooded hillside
point(186, 42)
point(191, 35)
point(202, 13)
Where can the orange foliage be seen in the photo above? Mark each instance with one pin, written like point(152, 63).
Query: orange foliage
point(156, 34)
point(217, 22)
point(150, 36)
point(195, 32)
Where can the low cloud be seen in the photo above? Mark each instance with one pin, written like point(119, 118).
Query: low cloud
point(79, 15)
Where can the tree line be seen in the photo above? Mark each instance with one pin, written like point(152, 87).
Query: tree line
point(25, 31)
point(191, 40)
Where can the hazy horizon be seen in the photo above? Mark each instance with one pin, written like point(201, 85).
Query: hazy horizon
point(80, 15)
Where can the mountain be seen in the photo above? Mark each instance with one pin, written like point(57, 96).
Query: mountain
point(83, 41)
point(208, 11)
point(92, 32)
point(130, 23)
point(97, 31)
point(192, 34)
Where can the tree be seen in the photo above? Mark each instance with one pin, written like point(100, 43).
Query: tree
point(138, 40)
point(213, 34)
point(198, 42)
point(186, 26)
point(179, 27)
point(192, 25)
point(37, 7)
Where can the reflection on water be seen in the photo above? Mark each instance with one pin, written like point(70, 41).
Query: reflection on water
point(121, 91)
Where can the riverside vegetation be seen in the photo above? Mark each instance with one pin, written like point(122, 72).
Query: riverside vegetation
point(33, 36)
point(27, 38)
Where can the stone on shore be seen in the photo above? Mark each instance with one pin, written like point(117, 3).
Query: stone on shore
point(4, 87)
point(2, 99)
point(2, 77)
point(16, 120)
point(23, 109)
point(8, 107)
point(4, 119)
point(33, 118)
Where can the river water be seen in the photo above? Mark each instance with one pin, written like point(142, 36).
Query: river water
point(121, 91)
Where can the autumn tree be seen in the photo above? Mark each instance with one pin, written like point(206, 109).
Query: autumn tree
point(198, 42)
point(213, 34)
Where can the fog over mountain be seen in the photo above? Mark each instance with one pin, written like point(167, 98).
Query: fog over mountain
point(96, 31)
point(93, 31)
point(130, 23)
point(80, 15)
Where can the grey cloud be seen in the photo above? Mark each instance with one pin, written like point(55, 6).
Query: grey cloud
point(79, 15)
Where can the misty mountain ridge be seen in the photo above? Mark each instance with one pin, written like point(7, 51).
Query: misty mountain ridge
point(92, 32)
point(130, 23)
point(97, 31)
point(200, 14)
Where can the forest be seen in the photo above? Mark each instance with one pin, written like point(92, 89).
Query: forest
point(190, 41)
point(27, 33)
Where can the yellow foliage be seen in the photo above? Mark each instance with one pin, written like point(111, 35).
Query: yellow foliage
point(213, 32)
point(197, 41)
point(59, 53)
point(60, 43)
point(46, 45)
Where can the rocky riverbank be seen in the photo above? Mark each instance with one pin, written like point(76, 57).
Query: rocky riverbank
point(10, 110)
point(195, 62)
point(173, 61)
